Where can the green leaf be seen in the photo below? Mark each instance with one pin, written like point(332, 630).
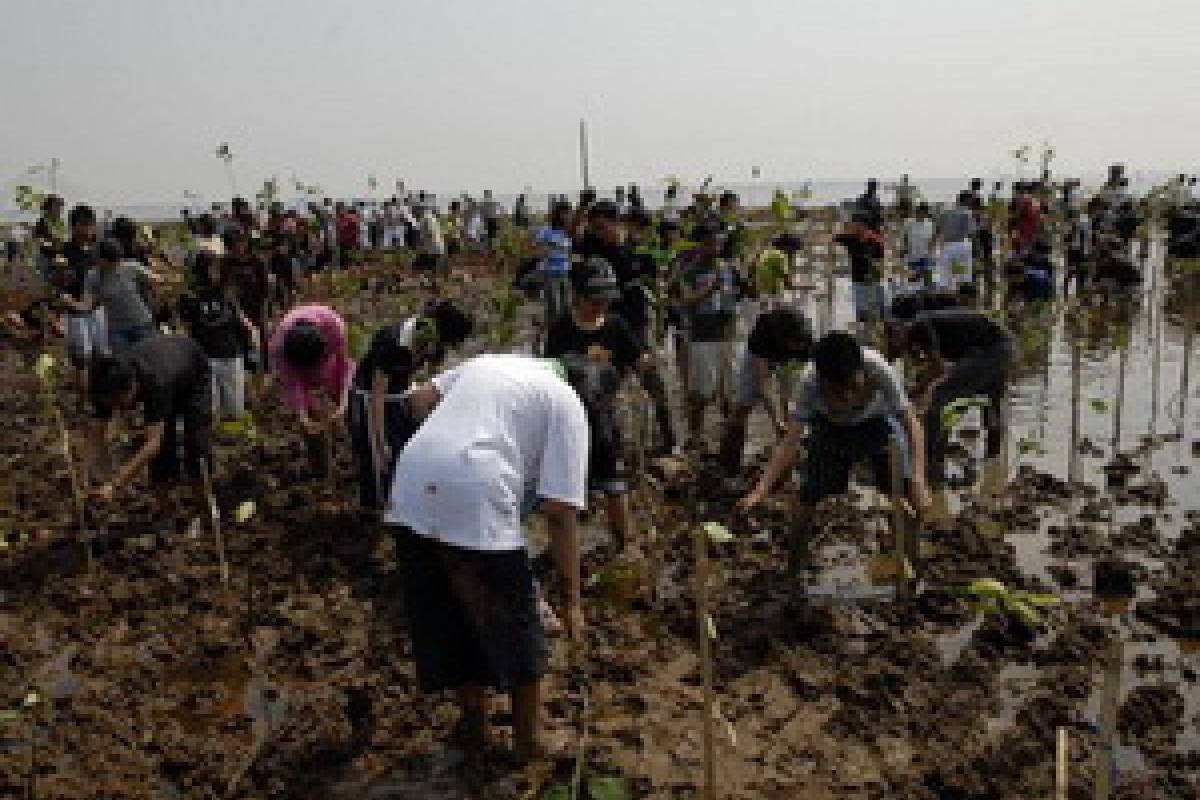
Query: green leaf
point(1098, 405)
point(10, 717)
point(1034, 599)
point(986, 587)
point(716, 532)
point(1029, 445)
point(558, 792)
point(245, 511)
point(1024, 612)
point(606, 787)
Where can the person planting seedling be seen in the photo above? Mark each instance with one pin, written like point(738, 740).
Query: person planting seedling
point(501, 434)
point(590, 331)
point(247, 277)
point(778, 336)
point(170, 379)
point(853, 405)
point(378, 417)
point(311, 359)
point(217, 323)
point(961, 354)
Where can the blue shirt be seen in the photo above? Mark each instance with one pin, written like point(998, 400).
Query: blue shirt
point(558, 260)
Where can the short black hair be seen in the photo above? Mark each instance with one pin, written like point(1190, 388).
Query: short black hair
point(453, 324)
point(233, 235)
point(125, 232)
point(304, 344)
point(109, 250)
point(838, 357)
point(202, 264)
point(109, 377)
point(81, 215)
point(51, 201)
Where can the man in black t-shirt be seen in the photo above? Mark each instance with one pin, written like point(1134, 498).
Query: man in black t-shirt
point(962, 354)
point(217, 323)
point(591, 331)
point(379, 418)
point(169, 377)
point(778, 336)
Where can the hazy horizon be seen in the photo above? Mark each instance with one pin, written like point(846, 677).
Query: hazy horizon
point(134, 97)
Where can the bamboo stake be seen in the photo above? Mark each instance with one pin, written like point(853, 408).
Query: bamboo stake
point(214, 514)
point(700, 546)
point(1073, 464)
point(1104, 763)
point(899, 518)
point(1062, 766)
point(1120, 399)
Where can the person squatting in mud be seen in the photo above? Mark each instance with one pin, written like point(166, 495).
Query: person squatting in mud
point(501, 435)
point(852, 406)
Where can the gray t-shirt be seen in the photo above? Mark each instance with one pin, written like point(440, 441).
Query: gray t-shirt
point(119, 293)
point(885, 396)
point(956, 224)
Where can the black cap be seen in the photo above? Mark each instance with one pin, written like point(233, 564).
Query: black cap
point(595, 278)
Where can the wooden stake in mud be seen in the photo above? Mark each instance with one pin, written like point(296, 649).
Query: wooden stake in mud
point(700, 546)
point(899, 517)
point(1076, 384)
point(1061, 766)
point(1120, 399)
point(76, 492)
point(1105, 764)
point(214, 514)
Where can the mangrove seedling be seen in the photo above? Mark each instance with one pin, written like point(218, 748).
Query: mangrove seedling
point(990, 596)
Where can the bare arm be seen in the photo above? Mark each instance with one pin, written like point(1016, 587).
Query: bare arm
point(141, 459)
point(423, 399)
point(918, 487)
point(562, 522)
point(782, 457)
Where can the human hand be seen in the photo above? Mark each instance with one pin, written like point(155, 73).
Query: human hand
point(752, 499)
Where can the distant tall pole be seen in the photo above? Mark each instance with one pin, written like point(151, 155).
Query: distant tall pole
point(54, 176)
point(583, 154)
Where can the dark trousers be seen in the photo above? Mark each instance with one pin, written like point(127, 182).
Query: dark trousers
point(193, 412)
point(834, 449)
point(979, 373)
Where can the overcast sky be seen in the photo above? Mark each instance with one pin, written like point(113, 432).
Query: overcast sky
point(133, 96)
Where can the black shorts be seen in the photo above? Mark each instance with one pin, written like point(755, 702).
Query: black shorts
point(472, 615)
point(427, 261)
point(606, 464)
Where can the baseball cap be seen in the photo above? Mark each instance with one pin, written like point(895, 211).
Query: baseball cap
point(595, 278)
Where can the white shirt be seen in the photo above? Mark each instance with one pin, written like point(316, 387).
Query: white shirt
point(432, 242)
point(918, 238)
point(506, 425)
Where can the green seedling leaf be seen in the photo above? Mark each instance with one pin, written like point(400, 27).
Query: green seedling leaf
point(245, 511)
point(986, 587)
point(1028, 445)
point(716, 532)
point(44, 367)
point(606, 787)
point(1024, 612)
point(10, 717)
point(1098, 405)
point(1037, 599)
point(558, 792)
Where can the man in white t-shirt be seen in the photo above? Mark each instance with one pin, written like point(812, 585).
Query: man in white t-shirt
point(503, 434)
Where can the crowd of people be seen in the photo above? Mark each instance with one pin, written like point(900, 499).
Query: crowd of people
point(456, 461)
